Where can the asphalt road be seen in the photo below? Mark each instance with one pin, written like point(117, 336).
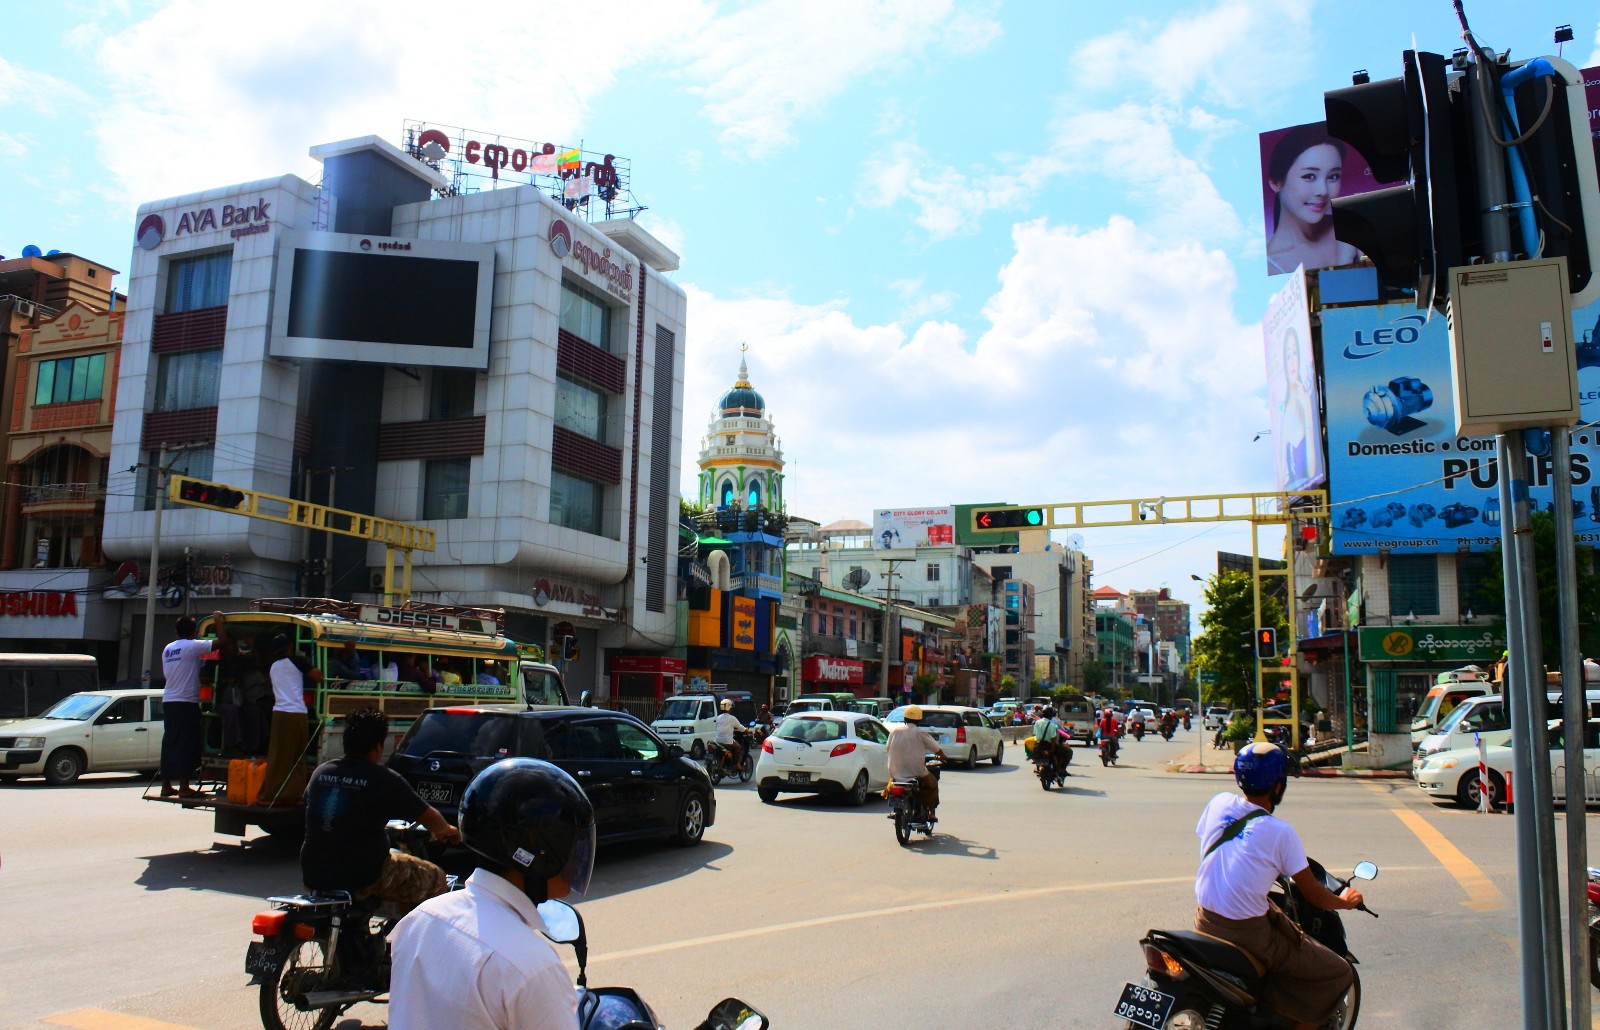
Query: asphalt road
point(1024, 910)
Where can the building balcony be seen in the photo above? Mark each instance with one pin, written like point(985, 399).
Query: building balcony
point(840, 647)
point(63, 499)
point(758, 581)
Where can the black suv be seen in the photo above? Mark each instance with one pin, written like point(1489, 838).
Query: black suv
point(640, 786)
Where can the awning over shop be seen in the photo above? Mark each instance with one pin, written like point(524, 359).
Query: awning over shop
point(1326, 642)
point(715, 541)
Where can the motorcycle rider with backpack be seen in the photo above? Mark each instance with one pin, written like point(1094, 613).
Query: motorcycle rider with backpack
point(1048, 743)
point(1244, 848)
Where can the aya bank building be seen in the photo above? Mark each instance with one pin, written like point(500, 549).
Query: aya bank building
point(471, 337)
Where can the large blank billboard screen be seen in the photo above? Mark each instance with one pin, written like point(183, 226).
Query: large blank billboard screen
point(343, 297)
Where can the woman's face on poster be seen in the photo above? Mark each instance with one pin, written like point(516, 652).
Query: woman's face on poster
point(1307, 192)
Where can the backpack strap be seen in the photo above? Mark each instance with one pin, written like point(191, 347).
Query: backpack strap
point(1233, 830)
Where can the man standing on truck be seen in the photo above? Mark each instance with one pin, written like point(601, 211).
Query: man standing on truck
point(180, 705)
point(284, 779)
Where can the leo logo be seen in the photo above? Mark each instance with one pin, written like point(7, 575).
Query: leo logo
point(560, 238)
point(1397, 644)
point(152, 230)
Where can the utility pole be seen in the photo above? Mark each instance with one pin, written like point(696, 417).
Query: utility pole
point(888, 622)
point(156, 473)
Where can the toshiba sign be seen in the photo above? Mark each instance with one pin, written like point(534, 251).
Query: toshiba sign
point(818, 669)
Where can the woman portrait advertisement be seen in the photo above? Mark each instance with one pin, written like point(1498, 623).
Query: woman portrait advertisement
point(1303, 169)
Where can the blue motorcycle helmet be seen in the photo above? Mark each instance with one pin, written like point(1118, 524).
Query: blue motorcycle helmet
point(1260, 766)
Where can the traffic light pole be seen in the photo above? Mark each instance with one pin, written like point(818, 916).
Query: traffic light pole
point(155, 564)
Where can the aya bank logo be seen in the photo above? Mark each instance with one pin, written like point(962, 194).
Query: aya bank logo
point(560, 238)
point(151, 232)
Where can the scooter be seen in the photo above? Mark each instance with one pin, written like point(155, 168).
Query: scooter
point(1048, 766)
point(719, 761)
point(1186, 725)
point(906, 808)
point(1108, 749)
point(322, 952)
point(1195, 980)
point(1167, 729)
point(621, 1008)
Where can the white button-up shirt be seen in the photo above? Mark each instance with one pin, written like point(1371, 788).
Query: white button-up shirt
point(474, 959)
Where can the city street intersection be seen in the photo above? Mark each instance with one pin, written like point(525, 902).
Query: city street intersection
point(1024, 910)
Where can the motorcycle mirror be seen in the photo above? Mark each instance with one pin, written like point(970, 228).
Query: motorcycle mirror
point(1364, 871)
point(561, 921)
point(733, 1014)
point(583, 699)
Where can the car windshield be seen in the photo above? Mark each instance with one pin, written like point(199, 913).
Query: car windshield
point(479, 734)
point(812, 731)
point(77, 708)
point(1454, 717)
point(679, 708)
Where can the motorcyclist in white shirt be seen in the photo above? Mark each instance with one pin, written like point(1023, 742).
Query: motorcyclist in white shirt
point(476, 959)
point(728, 729)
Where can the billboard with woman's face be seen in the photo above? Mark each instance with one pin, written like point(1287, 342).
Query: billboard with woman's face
point(1292, 389)
point(1302, 170)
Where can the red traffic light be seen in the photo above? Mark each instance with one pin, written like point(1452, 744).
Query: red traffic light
point(1266, 643)
point(211, 495)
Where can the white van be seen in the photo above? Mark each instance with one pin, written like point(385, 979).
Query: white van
point(690, 720)
point(1485, 716)
point(1448, 691)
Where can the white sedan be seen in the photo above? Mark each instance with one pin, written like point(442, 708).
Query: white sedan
point(824, 753)
point(1454, 774)
point(966, 735)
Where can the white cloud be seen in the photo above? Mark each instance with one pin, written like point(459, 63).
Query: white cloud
point(36, 90)
point(204, 93)
point(948, 202)
point(1232, 54)
point(772, 63)
point(1594, 55)
point(1106, 349)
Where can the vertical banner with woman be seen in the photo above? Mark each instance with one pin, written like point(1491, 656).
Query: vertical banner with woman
point(1302, 170)
point(1292, 388)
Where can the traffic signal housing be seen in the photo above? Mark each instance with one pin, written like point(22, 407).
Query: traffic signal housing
point(569, 648)
point(1008, 518)
point(1409, 132)
point(1266, 643)
point(1247, 643)
point(211, 495)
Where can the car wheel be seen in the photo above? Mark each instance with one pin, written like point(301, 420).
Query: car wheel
point(691, 820)
point(999, 752)
point(972, 758)
point(64, 766)
point(857, 795)
point(697, 750)
point(1497, 789)
point(767, 794)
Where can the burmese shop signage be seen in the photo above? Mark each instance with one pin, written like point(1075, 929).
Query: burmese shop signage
point(1465, 644)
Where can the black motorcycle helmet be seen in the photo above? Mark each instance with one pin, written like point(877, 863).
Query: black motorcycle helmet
point(528, 815)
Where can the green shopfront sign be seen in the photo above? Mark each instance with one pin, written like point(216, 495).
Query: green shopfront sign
point(1463, 644)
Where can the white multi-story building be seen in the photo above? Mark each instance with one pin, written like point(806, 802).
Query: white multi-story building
point(489, 365)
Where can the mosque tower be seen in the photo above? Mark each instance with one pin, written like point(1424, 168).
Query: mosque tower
point(741, 459)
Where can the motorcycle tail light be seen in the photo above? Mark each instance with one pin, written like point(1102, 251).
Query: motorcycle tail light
point(1160, 962)
point(267, 924)
point(305, 931)
point(1594, 893)
point(896, 790)
point(841, 749)
point(961, 734)
point(766, 745)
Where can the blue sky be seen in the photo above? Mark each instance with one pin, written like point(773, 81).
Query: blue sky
point(979, 250)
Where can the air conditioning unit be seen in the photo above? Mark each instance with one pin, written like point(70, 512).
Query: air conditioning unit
point(24, 308)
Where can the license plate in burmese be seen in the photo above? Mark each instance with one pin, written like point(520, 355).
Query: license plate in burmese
point(799, 777)
point(1144, 1006)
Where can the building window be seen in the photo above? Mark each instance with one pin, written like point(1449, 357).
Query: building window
point(753, 498)
point(935, 601)
point(1470, 573)
point(1413, 585)
point(852, 629)
point(585, 316)
point(450, 394)
point(838, 626)
point(575, 502)
point(195, 462)
point(445, 482)
point(188, 380)
point(70, 379)
point(1001, 572)
point(580, 409)
point(933, 573)
point(198, 282)
point(727, 493)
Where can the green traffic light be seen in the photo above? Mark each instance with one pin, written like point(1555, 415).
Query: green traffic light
point(1034, 516)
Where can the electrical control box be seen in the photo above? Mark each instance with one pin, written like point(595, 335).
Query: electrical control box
point(1512, 360)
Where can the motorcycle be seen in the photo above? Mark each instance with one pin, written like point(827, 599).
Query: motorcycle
point(1593, 891)
point(906, 808)
point(719, 761)
point(322, 952)
point(1137, 729)
point(1186, 723)
point(1108, 749)
point(1047, 765)
point(621, 1008)
point(1167, 729)
point(1195, 980)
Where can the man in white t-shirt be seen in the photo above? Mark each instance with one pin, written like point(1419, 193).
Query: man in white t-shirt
point(1244, 849)
point(292, 675)
point(180, 704)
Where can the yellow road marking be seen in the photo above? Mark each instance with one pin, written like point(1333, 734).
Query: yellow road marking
point(100, 1019)
point(1481, 893)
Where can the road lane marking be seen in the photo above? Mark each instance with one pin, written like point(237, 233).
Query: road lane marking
point(923, 906)
point(1482, 894)
point(100, 1019)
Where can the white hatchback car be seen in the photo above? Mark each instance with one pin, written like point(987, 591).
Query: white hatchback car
point(98, 731)
point(966, 735)
point(1454, 774)
point(824, 753)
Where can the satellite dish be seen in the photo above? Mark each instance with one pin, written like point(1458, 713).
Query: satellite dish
point(1075, 541)
point(31, 251)
point(855, 579)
